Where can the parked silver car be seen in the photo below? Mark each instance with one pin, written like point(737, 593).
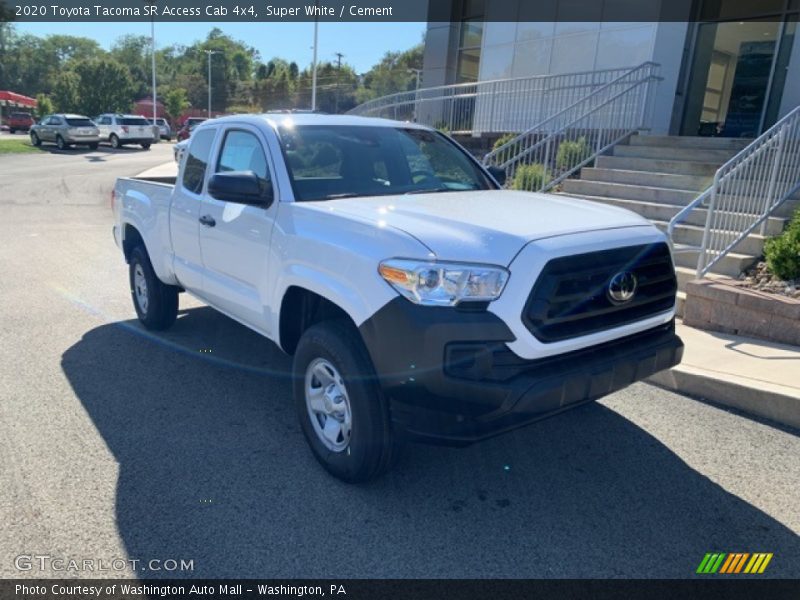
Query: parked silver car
point(164, 130)
point(66, 130)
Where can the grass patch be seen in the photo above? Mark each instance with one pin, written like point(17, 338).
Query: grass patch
point(17, 146)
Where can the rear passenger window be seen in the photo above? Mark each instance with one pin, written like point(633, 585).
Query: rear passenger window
point(195, 170)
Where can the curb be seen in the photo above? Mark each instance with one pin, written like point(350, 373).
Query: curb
point(769, 401)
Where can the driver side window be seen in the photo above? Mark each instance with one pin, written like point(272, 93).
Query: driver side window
point(242, 151)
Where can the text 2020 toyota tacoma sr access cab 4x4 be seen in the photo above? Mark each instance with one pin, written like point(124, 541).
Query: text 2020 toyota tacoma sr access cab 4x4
point(419, 300)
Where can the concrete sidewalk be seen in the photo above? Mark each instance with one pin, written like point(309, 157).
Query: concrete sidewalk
point(750, 375)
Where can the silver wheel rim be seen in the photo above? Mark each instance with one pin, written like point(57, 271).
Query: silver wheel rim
point(60, 143)
point(140, 287)
point(114, 141)
point(328, 405)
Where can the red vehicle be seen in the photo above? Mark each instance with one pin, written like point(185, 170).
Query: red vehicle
point(186, 131)
point(19, 121)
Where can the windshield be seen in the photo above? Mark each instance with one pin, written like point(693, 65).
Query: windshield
point(80, 122)
point(336, 161)
point(134, 121)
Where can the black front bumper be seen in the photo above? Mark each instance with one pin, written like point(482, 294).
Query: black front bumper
point(451, 379)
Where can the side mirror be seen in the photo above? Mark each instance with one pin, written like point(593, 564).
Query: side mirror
point(242, 187)
point(498, 173)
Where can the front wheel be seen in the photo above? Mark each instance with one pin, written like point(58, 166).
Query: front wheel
point(156, 303)
point(93, 146)
point(12, 131)
point(35, 139)
point(60, 143)
point(342, 411)
point(146, 146)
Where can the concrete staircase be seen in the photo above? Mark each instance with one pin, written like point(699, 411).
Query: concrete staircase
point(656, 176)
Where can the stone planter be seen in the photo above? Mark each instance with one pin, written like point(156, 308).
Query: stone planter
point(727, 306)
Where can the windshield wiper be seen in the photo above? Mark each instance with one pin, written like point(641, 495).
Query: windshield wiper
point(428, 191)
point(337, 196)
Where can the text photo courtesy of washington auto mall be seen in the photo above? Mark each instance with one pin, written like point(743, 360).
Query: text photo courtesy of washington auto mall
point(413, 299)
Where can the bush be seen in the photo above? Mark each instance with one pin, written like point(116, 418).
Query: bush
point(503, 139)
point(783, 252)
point(530, 178)
point(571, 154)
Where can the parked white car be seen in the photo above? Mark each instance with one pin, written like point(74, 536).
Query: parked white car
point(120, 130)
point(418, 298)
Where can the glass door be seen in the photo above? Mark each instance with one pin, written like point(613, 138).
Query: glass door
point(730, 81)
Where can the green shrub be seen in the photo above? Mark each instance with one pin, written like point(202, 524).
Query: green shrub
point(783, 252)
point(571, 154)
point(530, 178)
point(503, 139)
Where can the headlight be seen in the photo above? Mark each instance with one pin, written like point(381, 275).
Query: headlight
point(433, 283)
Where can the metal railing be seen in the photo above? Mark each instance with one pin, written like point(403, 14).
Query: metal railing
point(555, 148)
point(745, 192)
point(502, 105)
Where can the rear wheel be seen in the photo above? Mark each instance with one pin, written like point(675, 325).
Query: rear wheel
point(146, 146)
point(339, 403)
point(156, 303)
point(12, 131)
point(35, 139)
point(114, 141)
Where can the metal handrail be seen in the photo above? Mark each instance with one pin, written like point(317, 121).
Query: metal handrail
point(574, 136)
point(499, 105)
point(746, 191)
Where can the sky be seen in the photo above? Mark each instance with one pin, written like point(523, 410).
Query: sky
point(363, 44)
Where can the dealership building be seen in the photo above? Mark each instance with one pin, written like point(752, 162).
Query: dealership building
point(721, 72)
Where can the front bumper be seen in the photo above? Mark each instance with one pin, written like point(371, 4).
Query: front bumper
point(451, 378)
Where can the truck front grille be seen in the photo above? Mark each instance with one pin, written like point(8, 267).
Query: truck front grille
point(571, 297)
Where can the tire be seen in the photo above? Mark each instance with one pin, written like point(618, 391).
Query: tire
point(156, 303)
point(114, 141)
point(60, 143)
point(146, 146)
point(93, 146)
point(12, 131)
point(335, 350)
point(35, 139)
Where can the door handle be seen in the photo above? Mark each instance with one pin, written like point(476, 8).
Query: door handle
point(208, 220)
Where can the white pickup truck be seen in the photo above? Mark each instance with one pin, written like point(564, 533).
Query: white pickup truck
point(418, 298)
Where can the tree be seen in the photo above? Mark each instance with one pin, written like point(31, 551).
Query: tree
point(133, 51)
point(176, 103)
point(66, 92)
point(105, 86)
point(44, 106)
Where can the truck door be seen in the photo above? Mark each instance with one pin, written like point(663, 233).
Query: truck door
point(235, 232)
point(184, 212)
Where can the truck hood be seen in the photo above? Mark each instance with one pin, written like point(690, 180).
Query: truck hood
point(485, 226)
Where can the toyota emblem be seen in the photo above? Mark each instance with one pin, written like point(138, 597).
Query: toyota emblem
point(622, 287)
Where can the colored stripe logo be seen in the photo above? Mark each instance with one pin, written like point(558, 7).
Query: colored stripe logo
point(734, 563)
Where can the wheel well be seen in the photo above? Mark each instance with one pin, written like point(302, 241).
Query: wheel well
point(300, 309)
point(130, 239)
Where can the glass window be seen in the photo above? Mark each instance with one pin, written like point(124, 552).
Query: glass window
point(133, 121)
point(334, 161)
point(195, 170)
point(241, 151)
point(79, 122)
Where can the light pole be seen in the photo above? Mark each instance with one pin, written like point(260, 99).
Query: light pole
point(152, 4)
point(314, 63)
point(210, 52)
point(417, 71)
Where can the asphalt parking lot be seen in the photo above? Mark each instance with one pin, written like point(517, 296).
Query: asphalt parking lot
point(117, 443)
